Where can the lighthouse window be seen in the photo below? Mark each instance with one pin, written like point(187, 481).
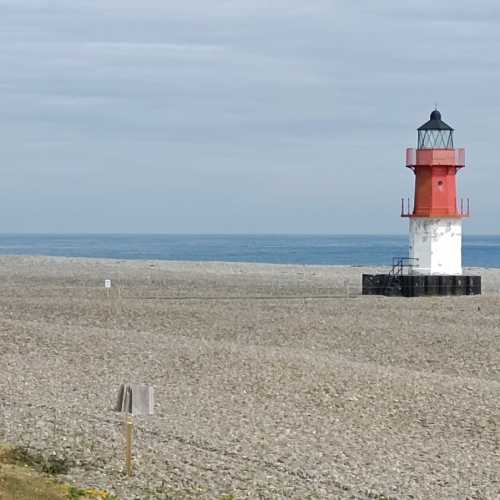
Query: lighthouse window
point(440, 183)
point(435, 139)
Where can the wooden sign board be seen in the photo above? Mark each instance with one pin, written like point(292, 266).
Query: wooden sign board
point(135, 399)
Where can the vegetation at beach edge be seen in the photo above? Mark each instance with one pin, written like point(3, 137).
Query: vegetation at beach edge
point(26, 476)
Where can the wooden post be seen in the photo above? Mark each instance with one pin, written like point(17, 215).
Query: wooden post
point(133, 399)
point(129, 427)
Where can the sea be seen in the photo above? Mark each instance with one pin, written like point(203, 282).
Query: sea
point(350, 250)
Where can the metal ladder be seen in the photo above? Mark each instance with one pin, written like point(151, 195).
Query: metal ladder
point(399, 264)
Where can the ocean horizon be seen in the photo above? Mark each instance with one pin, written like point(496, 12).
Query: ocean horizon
point(302, 249)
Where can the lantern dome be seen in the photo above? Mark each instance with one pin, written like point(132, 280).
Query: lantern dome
point(435, 134)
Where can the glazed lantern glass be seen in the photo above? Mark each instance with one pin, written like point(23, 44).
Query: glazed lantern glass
point(435, 134)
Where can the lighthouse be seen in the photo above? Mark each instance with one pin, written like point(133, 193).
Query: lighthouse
point(434, 262)
point(435, 246)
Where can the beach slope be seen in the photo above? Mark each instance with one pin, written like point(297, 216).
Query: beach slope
point(270, 381)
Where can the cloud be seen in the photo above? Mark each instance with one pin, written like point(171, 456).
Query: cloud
point(267, 106)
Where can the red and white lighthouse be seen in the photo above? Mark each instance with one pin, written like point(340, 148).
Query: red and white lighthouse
point(436, 220)
point(434, 265)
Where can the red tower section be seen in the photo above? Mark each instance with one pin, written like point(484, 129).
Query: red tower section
point(435, 163)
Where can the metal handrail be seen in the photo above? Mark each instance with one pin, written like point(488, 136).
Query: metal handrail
point(407, 213)
point(399, 263)
point(462, 211)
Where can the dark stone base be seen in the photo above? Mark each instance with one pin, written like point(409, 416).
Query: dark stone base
point(419, 286)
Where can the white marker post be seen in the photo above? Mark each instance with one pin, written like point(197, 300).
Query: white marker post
point(107, 286)
point(133, 399)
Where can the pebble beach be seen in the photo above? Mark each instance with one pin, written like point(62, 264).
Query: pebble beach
point(271, 381)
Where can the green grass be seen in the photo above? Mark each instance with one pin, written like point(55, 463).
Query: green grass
point(51, 464)
point(28, 476)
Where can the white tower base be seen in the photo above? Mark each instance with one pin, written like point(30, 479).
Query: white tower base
point(437, 244)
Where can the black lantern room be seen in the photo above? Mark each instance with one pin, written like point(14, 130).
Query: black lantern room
point(435, 134)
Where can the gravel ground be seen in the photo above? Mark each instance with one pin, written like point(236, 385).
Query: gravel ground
point(270, 381)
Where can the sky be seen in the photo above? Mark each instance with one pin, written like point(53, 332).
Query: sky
point(239, 116)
